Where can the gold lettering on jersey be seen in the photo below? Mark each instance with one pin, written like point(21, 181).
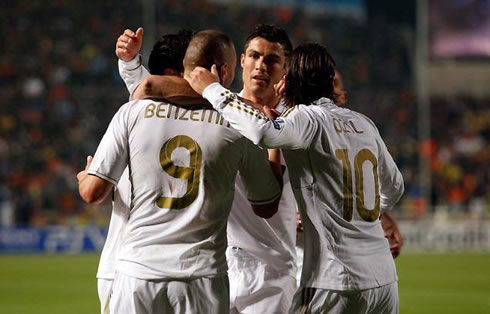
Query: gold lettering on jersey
point(182, 115)
point(366, 155)
point(345, 126)
point(161, 110)
point(337, 125)
point(170, 107)
point(150, 110)
point(193, 115)
point(191, 173)
point(168, 111)
point(354, 127)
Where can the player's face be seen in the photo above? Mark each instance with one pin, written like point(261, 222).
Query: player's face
point(263, 66)
point(338, 89)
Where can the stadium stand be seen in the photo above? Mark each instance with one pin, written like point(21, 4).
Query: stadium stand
point(59, 88)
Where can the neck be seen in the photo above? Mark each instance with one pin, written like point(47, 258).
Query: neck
point(270, 101)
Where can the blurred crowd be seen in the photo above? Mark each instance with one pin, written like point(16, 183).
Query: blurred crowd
point(60, 86)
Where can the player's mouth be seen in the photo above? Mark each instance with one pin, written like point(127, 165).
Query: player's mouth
point(260, 79)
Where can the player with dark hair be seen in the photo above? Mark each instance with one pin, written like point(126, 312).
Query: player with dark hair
point(167, 53)
point(170, 60)
point(261, 253)
point(343, 179)
point(182, 165)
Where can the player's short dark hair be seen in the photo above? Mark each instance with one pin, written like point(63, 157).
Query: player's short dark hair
point(311, 70)
point(209, 47)
point(274, 34)
point(169, 52)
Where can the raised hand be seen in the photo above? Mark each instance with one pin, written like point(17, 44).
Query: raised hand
point(128, 45)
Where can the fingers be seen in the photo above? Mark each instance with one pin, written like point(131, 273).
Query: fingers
point(139, 33)
point(395, 252)
point(128, 33)
point(89, 161)
point(81, 175)
point(280, 87)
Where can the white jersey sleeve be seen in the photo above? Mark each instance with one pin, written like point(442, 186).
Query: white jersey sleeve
point(132, 72)
point(252, 164)
point(111, 157)
point(391, 179)
point(295, 131)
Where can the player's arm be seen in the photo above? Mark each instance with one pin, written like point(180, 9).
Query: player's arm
point(263, 185)
point(391, 179)
point(92, 189)
point(130, 66)
point(391, 190)
point(295, 131)
point(103, 171)
point(170, 87)
point(392, 233)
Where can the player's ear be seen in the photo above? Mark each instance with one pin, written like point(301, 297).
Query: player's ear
point(242, 59)
point(223, 72)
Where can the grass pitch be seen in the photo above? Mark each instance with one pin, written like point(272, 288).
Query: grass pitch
point(429, 283)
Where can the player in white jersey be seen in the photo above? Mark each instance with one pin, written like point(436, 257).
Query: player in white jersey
point(261, 253)
point(390, 227)
point(182, 165)
point(166, 58)
point(343, 179)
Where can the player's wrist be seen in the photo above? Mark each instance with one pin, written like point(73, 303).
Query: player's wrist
point(132, 64)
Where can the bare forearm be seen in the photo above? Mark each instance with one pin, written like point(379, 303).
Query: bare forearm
point(94, 190)
point(172, 88)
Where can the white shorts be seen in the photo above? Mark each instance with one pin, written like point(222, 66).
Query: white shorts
point(382, 299)
point(136, 296)
point(104, 289)
point(255, 287)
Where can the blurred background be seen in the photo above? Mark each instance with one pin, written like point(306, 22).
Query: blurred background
point(419, 69)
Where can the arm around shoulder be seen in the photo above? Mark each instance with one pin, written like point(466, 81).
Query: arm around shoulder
point(165, 86)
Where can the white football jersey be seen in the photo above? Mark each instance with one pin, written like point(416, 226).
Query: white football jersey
point(182, 169)
point(272, 240)
point(132, 72)
point(269, 240)
point(119, 215)
point(343, 178)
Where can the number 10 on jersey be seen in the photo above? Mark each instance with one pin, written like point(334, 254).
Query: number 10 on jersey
point(361, 157)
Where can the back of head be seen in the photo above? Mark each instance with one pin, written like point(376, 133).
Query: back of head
point(209, 47)
point(168, 53)
point(272, 33)
point(311, 71)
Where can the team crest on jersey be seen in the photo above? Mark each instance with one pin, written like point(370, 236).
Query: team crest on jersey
point(277, 123)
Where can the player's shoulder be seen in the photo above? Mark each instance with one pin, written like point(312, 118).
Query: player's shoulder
point(366, 119)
